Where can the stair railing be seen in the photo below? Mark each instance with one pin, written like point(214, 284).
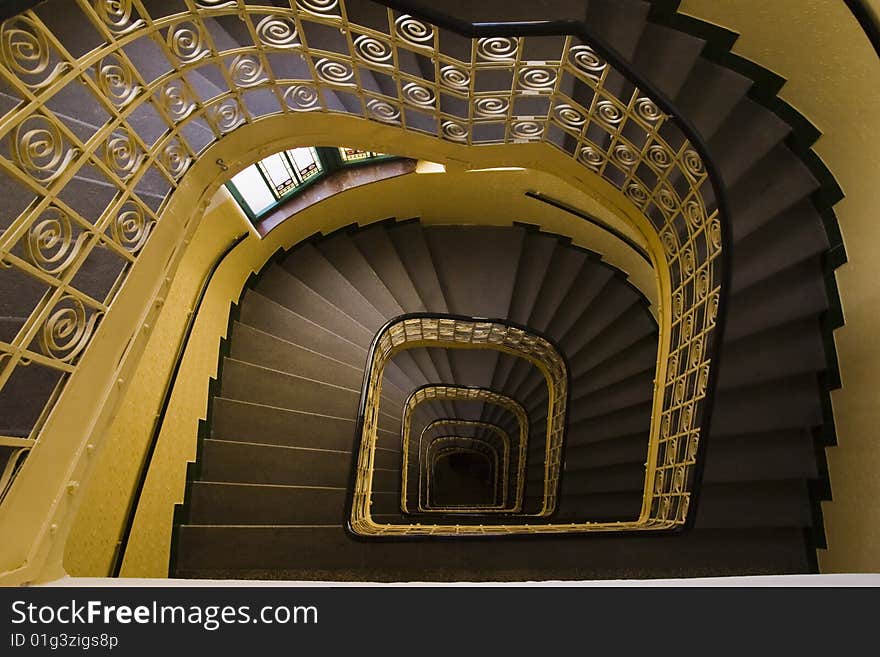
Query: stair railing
point(447, 392)
point(476, 425)
point(455, 332)
point(446, 446)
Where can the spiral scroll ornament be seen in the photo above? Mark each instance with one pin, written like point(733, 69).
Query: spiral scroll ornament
point(715, 234)
point(383, 110)
point(301, 98)
point(67, 329)
point(131, 227)
point(625, 155)
point(670, 243)
point(185, 41)
point(491, 106)
point(373, 50)
point(333, 71)
point(659, 156)
point(25, 50)
point(50, 242)
point(122, 154)
point(667, 200)
point(585, 60)
point(246, 70)
point(647, 110)
point(277, 32)
point(116, 80)
point(455, 77)
point(176, 101)
point(526, 130)
point(454, 131)
point(39, 148)
point(537, 79)
point(636, 193)
point(702, 284)
point(225, 115)
point(591, 156)
point(693, 164)
point(609, 113)
point(694, 214)
point(569, 116)
point(175, 158)
point(497, 49)
point(418, 94)
point(414, 31)
point(324, 7)
point(116, 15)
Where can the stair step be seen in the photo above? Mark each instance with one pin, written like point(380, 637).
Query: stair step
point(255, 463)
point(203, 548)
point(237, 420)
point(796, 293)
point(780, 404)
point(260, 348)
point(275, 319)
point(749, 457)
point(476, 266)
point(252, 383)
point(308, 265)
point(213, 503)
point(328, 552)
point(279, 285)
point(666, 57)
point(709, 95)
point(376, 247)
point(773, 504)
point(345, 256)
point(412, 250)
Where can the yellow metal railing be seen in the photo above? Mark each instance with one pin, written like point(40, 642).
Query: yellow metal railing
point(444, 392)
point(449, 332)
point(445, 446)
point(492, 430)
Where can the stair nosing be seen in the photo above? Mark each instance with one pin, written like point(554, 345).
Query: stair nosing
point(298, 346)
point(263, 485)
point(291, 374)
point(305, 319)
point(272, 445)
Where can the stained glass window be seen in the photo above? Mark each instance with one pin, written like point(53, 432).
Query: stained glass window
point(306, 162)
point(356, 155)
point(253, 190)
point(262, 185)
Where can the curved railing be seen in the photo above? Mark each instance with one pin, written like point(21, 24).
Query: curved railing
point(491, 429)
point(446, 392)
point(446, 446)
point(477, 85)
point(455, 332)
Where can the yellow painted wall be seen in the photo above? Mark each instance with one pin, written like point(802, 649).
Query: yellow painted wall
point(91, 545)
point(834, 80)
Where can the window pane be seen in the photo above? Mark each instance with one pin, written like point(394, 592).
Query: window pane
point(279, 173)
point(253, 189)
point(354, 154)
point(306, 162)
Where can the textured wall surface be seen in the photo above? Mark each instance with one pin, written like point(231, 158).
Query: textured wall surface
point(92, 542)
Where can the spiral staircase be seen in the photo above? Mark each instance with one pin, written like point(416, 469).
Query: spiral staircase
point(266, 498)
point(272, 492)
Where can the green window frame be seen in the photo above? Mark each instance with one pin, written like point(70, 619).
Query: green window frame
point(263, 186)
